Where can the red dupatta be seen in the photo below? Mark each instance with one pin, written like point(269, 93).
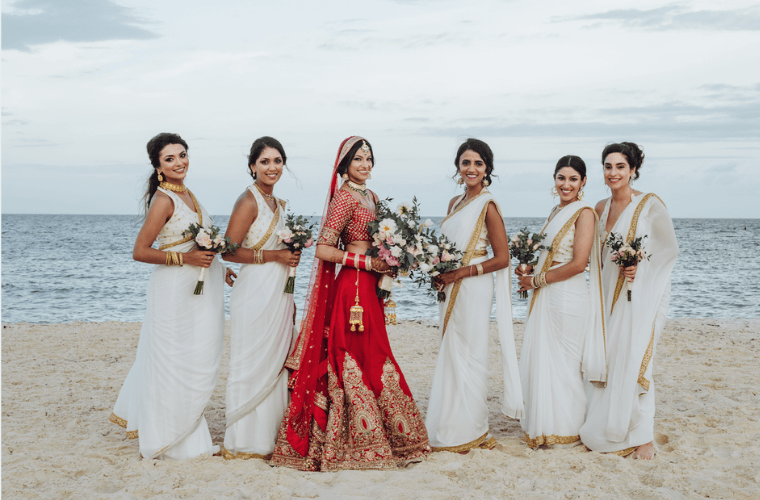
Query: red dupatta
point(309, 358)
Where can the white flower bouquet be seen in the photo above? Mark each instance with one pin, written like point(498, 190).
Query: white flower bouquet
point(626, 254)
point(297, 235)
point(210, 239)
point(523, 247)
point(440, 256)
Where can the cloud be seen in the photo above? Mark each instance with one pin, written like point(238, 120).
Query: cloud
point(346, 43)
point(677, 17)
point(37, 22)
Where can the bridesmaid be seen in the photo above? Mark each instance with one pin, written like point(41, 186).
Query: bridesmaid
point(564, 331)
point(174, 374)
point(620, 417)
point(261, 313)
point(457, 418)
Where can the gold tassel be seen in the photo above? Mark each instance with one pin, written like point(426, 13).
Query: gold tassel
point(355, 318)
point(390, 311)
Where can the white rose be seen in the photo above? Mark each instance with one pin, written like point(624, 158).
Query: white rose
point(428, 223)
point(388, 226)
point(424, 267)
point(432, 249)
point(396, 251)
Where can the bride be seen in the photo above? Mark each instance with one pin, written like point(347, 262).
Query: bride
point(564, 331)
point(457, 417)
point(174, 374)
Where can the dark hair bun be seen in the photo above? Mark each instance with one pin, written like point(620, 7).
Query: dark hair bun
point(632, 152)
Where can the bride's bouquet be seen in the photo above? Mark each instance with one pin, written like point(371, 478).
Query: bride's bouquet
point(297, 235)
point(524, 247)
point(440, 256)
point(210, 239)
point(393, 234)
point(626, 254)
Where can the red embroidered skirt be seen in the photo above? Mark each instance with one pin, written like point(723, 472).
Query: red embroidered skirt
point(372, 419)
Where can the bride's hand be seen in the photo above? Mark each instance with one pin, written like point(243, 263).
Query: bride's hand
point(525, 283)
point(380, 266)
point(630, 272)
point(286, 258)
point(528, 270)
point(200, 258)
point(229, 275)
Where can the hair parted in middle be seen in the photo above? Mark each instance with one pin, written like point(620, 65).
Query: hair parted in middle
point(574, 162)
point(346, 161)
point(259, 145)
point(482, 149)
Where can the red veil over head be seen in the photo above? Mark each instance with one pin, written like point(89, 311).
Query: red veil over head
point(309, 358)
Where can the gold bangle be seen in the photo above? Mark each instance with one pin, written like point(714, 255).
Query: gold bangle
point(167, 258)
point(181, 259)
point(479, 267)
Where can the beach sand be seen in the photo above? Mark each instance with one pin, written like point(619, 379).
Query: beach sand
point(60, 382)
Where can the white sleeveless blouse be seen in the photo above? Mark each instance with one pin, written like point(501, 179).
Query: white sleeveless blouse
point(262, 228)
point(171, 234)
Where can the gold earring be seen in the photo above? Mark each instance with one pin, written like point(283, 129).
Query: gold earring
point(630, 181)
point(580, 194)
point(160, 177)
point(554, 192)
point(345, 177)
point(460, 181)
point(485, 182)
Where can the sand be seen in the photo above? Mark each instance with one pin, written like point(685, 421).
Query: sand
point(60, 382)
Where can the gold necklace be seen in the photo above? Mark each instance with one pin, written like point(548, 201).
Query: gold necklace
point(173, 187)
point(267, 196)
point(361, 188)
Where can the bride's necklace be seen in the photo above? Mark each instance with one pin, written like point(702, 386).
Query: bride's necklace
point(267, 196)
point(360, 188)
point(173, 187)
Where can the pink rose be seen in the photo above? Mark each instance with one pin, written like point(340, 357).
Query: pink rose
point(392, 261)
point(285, 234)
point(309, 242)
point(287, 240)
point(436, 260)
point(530, 242)
point(203, 240)
point(446, 257)
point(296, 245)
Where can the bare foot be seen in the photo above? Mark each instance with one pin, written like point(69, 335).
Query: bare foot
point(644, 452)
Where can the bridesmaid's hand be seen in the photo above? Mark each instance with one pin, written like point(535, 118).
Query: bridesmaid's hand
point(630, 272)
point(445, 279)
point(200, 258)
point(229, 275)
point(525, 283)
point(286, 258)
point(528, 270)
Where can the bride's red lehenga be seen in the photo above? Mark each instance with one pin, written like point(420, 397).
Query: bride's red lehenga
point(350, 407)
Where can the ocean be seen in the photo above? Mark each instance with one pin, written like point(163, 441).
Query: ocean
point(63, 268)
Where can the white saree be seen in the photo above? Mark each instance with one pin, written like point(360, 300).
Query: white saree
point(179, 351)
point(457, 416)
point(621, 416)
point(564, 342)
point(261, 324)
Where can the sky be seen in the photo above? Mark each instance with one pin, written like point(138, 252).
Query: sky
point(86, 83)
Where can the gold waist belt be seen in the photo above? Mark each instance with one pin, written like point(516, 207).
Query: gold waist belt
point(480, 253)
point(174, 244)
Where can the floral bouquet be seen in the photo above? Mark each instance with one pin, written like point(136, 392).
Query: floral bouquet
point(297, 235)
point(523, 247)
point(440, 256)
point(209, 239)
point(393, 234)
point(626, 254)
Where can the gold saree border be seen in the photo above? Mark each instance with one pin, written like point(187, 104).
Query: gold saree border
point(463, 447)
point(624, 453)
point(468, 256)
point(643, 382)
point(458, 209)
point(631, 235)
point(555, 243)
point(228, 455)
point(187, 238)
point(549, 440)
point(123, 423)
point(272, 225)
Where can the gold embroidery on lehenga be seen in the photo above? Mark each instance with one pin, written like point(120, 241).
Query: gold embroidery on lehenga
point(549, 440)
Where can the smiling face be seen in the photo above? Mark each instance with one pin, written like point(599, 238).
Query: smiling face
point(617, 171)
point(472, 168)
point(268, 167)
point(568, 182)
point(173, 163)
point(361, 166)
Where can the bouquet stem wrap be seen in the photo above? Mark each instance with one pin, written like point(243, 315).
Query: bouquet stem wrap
point(201, 280)
point(290, 286)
